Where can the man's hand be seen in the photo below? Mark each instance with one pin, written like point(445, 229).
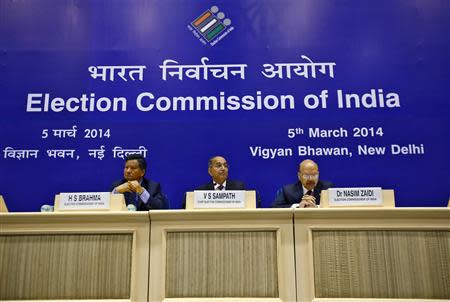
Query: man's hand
point(308, 201)
point(125, 187)
point(130, 186)
point(135, 186)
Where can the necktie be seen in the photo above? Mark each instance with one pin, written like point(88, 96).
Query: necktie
point(136, 199)
point(220, 188)
point(309, 193)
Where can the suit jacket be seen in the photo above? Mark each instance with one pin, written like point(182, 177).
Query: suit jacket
point(293, 193)
point(231, 185)
point(157, 199)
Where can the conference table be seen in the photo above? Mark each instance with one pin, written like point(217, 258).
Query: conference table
point(334, 254)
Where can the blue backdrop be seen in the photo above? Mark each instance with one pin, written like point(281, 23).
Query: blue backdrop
point(390, 57)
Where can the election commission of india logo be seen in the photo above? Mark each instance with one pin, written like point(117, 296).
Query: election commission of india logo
point(211, 26)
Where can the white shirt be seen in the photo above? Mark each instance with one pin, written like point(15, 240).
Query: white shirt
point(305, 190)
point(216, 185)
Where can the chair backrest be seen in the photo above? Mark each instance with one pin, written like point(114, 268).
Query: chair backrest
point(166, 204)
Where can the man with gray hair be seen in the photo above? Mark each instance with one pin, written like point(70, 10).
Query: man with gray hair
point(218, 170)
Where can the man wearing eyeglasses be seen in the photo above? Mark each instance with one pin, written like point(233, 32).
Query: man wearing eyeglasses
point(306, 192)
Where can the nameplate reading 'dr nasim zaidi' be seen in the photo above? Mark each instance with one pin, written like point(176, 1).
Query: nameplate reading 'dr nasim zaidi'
point(341, 197)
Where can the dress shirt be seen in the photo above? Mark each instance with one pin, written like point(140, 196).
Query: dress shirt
point(144, 196)
point(216, 186)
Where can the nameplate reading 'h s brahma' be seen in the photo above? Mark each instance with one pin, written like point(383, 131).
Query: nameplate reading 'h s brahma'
point(83, 201)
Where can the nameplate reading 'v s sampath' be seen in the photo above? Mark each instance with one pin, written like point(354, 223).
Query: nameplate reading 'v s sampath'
point(84, 201)
point(232, 199)
point(341, 197)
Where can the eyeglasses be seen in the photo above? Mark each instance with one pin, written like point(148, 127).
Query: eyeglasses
point(310, 176)
point(218, 166)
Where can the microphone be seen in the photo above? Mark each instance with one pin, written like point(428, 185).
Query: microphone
point(131, 207)
point(46, 208)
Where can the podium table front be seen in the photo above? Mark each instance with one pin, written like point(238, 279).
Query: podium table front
point(222, 255)
point(262, 255)
point(355, 254)
point(74, 256)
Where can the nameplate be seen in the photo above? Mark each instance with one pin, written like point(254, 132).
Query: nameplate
point(229, 199)
point(3, 207)
point(84, 201)
point(341, 197)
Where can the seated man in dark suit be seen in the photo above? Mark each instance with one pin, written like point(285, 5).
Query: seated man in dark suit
point(306, 192)
point(143, 193)
point(218, 170)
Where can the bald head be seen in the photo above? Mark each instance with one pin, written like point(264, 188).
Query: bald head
point(308, 174)
point(308, 163)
